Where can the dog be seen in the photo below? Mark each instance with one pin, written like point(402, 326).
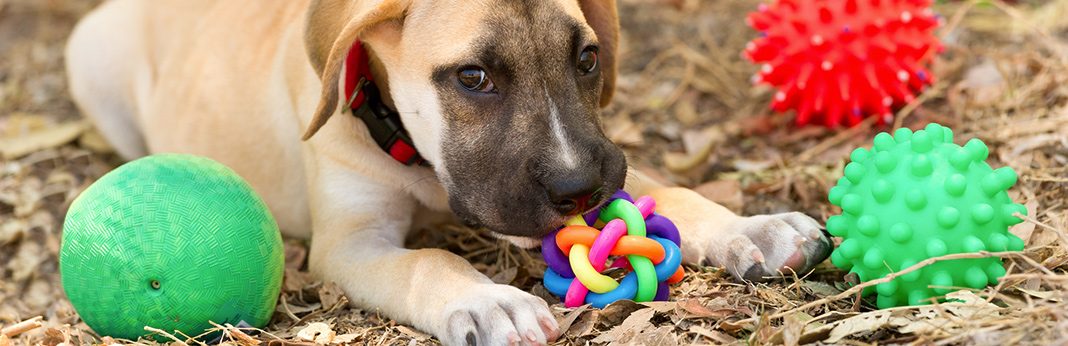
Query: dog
point(499, 98)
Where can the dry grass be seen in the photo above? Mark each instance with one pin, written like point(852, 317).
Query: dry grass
point(685, 108)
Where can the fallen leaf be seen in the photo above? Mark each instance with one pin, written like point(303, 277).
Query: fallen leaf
point(866, 322)
point(735, 327)
point(662, 336)
point(345, 338)
point(615, 313)
point(793, 326)
point(633, 325)
point(53, 337)
point(330, 294)
point(694, 308)
point(662, 307)
point(718, 337)
point(318, 332)
point(50, 137)
point(4, 341)
point(415, 334)
point(820, 289)
point(295, 280)
point(1026, 230)
point(568, 320)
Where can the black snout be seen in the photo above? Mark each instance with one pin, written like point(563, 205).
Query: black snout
point(572, 193)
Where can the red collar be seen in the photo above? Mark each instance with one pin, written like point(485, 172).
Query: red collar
point(383, 123)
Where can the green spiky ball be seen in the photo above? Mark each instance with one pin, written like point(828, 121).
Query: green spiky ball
point(915, 196)
point(172, 242)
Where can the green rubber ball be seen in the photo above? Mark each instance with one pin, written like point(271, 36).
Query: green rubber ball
point(915, 196)
point(170, 241)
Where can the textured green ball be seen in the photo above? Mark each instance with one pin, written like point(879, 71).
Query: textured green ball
point(915, 196)
point(172, 242)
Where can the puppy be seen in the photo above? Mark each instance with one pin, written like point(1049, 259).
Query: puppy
point(499, 97)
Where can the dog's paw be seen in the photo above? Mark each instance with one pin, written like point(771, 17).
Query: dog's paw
point(492, 314)
point(765, 246)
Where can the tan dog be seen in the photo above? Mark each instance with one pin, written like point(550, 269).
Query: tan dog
point(500, 96)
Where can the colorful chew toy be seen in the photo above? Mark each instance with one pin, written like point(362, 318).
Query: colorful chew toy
point(837, 61)
point(173, 242)
point(649, 242)
point(915, 196)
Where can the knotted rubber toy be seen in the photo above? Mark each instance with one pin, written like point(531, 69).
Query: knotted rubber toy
point(647, 243)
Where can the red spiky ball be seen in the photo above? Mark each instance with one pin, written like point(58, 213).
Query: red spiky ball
point(838, 61)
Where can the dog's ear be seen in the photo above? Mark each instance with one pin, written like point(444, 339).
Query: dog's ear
point(601, 15)
point(330, 29)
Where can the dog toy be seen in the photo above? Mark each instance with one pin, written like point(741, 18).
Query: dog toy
point(170, 241)
point(838, 61)
point(649, 242)
point(915, 196)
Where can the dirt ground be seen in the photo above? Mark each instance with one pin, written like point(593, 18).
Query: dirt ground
point(685, 108)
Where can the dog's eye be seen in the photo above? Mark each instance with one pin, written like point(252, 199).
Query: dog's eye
point(475, 79)
point(587, 60)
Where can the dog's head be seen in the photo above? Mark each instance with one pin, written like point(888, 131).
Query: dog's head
point(501, 96)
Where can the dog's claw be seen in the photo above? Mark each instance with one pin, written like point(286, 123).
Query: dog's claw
point(774, 245)
point(472, 340)
point(492, 314)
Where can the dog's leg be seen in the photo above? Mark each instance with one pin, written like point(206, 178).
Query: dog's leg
point(103, 57)
point(750, 248)
point(359, 231)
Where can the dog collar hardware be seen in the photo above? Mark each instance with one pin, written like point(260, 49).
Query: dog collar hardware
point(365, 102)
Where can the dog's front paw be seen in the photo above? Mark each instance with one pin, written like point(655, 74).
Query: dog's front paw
point(492, 314)
point(764, 246)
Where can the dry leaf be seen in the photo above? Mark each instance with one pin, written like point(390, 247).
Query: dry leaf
point(615, 313)
point(568, 320)
point(415, 334)
point(662, 307)
point(50, 137)
point(1026, 230)
point(4, 341)
point(631, 327)
point(330, 294)
point(793, 326)
point(866, 322)
point(318, 332)
point(718, 337)
point(295, 280)
point(345, 338)
point(662, 336)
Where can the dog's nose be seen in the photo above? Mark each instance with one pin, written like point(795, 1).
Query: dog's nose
point(572, 194)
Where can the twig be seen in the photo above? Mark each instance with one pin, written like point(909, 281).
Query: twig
point(1060, 233)
point(166, 334)
point(837, 139)
point(22, 327)
point(890, 277)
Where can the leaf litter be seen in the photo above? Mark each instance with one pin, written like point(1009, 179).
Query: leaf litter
point(684, 108)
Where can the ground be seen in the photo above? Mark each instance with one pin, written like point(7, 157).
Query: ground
point(686, 109)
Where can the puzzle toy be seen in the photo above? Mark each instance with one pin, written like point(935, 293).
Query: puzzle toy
point(647, 243)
